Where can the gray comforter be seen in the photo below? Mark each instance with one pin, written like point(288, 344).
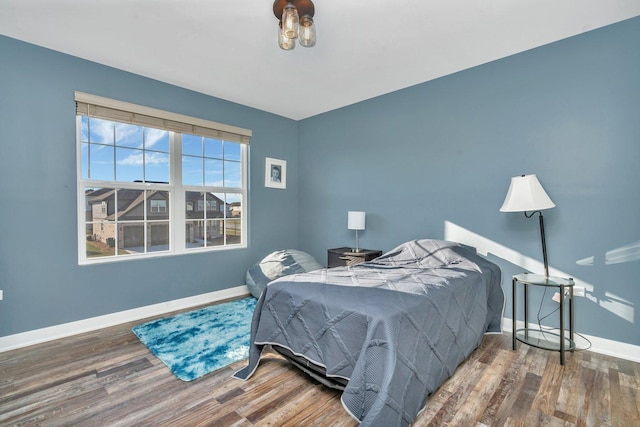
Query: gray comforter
point(396, 327)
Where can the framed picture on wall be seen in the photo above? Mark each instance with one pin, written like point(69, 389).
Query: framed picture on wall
point(275, 173)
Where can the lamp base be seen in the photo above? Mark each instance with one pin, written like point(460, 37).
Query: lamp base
point(357, 249)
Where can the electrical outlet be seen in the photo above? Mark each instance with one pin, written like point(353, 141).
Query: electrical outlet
point(579, 291)
point(1, 294)
point(556, 296)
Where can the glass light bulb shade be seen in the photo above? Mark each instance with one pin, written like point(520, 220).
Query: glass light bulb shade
point(307, 32)
point(290, 21)
point(284, 42)
point(526, 194)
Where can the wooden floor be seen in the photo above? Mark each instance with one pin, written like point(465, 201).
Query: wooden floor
point(108, 378)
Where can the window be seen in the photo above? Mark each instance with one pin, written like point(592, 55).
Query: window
point(158, 206)
point(154, 183)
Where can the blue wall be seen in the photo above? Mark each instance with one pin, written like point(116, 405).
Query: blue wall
point(443, 151)
point(446, 150)
point(39, 273)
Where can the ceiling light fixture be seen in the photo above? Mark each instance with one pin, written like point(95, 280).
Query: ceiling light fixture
point(295, 21)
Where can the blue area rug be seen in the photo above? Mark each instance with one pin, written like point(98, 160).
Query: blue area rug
point(198, 342)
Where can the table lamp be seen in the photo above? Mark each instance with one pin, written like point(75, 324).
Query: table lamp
point(356, 220)
point(527, 195)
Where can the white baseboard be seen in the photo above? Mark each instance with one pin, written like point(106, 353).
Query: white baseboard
point(598, 345)
point(51, 333)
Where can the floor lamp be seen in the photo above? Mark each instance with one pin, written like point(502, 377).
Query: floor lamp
point(527, 195)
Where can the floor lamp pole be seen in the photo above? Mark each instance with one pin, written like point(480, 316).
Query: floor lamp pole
point(544, 246)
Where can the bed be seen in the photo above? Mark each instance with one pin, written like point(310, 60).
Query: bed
point(389, 331)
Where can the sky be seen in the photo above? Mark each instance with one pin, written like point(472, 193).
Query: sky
point(113, 151)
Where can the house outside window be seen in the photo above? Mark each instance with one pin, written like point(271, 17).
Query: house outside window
point(141, 173)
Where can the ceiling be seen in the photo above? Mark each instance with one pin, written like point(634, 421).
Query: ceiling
point(365, 48)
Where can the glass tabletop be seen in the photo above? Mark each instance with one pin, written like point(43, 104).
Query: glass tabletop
point(540, 280)
point(543, 339)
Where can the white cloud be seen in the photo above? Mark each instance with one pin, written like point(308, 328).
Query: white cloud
point(138, 159)
point(101, 131)
point(153, 136)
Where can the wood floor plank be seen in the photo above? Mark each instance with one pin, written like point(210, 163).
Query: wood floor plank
point(595, 405)
point(539, 418)
point(300, 412)
point(472, 411)
point(550, 385)
point(502, 401)
point(630, 397)
point(440, 399)
point(461, 390)
point(273, 404)
point(526, 396)
point(568, 398)
point(109, 378)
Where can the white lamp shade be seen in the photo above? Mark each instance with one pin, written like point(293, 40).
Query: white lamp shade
point(356, 220)
point(526, 194)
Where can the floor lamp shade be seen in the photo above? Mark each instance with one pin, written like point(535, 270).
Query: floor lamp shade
point(356, 220)
point(526, 194)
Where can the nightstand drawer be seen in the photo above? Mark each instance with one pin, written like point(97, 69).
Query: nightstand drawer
point(340, 257)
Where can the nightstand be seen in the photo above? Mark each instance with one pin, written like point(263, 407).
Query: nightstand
point(535, 336)
point(340, 257)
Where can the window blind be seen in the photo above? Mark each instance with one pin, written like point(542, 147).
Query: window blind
point(109, 109)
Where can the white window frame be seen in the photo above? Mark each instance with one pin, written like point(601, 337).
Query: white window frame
point(176, 205)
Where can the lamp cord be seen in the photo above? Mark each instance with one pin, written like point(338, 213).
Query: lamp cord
point(548, 328)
